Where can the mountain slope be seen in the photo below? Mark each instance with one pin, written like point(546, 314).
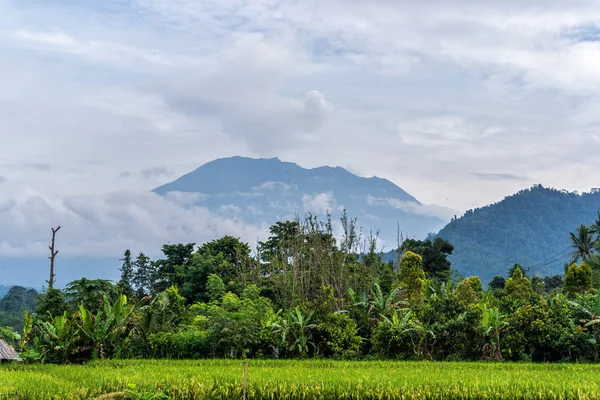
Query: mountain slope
point(262, 191)
point(530, 227)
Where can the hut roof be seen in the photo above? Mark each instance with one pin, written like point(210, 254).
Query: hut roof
point(7, 352)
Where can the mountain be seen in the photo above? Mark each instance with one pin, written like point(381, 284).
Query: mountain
point(263, 191)
point(530, 227)
point(3, 290)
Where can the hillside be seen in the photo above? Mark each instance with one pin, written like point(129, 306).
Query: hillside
point(530, 227)
point(3, 290)
point(263, 191)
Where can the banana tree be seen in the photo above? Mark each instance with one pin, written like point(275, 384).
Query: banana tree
point(58, 337)
point(493, 323)
point(103, 330)
point(385, 305)
point(593, 319)
point(299, 329)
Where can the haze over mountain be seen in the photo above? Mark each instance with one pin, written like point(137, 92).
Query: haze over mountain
point(263, 191)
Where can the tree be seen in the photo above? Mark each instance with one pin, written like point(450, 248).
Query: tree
point(411, 277)
point(142, 277)
point(468, 291)
point(592, 320)
point(583, 244)
point(518, 287)
point(595, 227)
point(435, 255)
point(215, 287)
point(170, 270)
point(125, 285)
point(53, 254)
point(578, 279)
point(90, 293)
point(497, 283)
point(50, 303)
point(493, 323)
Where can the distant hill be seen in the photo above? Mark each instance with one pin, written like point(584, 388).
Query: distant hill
point(530, 227)
point(263, 191)
point(3, 290)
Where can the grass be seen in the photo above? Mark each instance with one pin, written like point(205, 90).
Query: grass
point(222, 379)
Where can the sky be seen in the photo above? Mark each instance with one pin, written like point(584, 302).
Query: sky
point(460, 103)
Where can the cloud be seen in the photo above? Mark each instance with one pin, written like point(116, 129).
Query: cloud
point(104, 225)
point(320, 203)
point(461, 85)
point(28, 166)
point(429, 210)
point(97, 50)
point(273, 186)
point(154, 172)
point(499, 177)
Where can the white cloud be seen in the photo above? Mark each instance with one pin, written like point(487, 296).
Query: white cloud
point(97, 50)
point(269, 185)
point(430, 95)
point(105, 225)
point(320, 203)
point(429, 210)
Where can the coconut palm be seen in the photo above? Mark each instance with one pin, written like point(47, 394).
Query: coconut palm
point(595, 227)
point(583, 244)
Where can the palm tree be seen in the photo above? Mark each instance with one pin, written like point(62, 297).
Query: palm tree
point(583, 244)
point(595, 228)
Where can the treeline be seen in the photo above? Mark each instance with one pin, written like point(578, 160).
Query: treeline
point(304, 293)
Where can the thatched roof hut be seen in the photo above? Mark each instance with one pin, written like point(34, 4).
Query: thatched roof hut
point(7, 353)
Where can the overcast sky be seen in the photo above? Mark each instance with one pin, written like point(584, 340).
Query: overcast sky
point(460, 103)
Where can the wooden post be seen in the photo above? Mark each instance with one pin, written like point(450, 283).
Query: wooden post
point(244, 395)
point(53, 254)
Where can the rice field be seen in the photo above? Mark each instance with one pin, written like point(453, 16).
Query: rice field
point(222, 379)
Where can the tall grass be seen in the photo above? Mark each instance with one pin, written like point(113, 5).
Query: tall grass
point(222, 379)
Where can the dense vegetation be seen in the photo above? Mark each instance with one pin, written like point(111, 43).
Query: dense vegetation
point(14, 303)
point(527, 228)
point(221, 379)
point(306, 294)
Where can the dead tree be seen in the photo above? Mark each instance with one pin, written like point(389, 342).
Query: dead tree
point(53, 254)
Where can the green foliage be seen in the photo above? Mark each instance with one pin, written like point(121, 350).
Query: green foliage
point(518, 287)
point(434, 256)
point(215, 287)
point(143, 275)
point(90, 293)
point(311, 297)
point(469, 290)
point(189, 343)
point(578, 279)
point(125, 285)
point(51, 303)
point(336, 334)
point(411, 277)
point(16, 300)
point(395, 337)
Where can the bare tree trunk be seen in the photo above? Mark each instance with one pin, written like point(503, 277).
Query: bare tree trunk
point(53, 254)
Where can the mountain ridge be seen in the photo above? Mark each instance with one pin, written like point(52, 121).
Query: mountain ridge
point(265, 190)
point(530, 227)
